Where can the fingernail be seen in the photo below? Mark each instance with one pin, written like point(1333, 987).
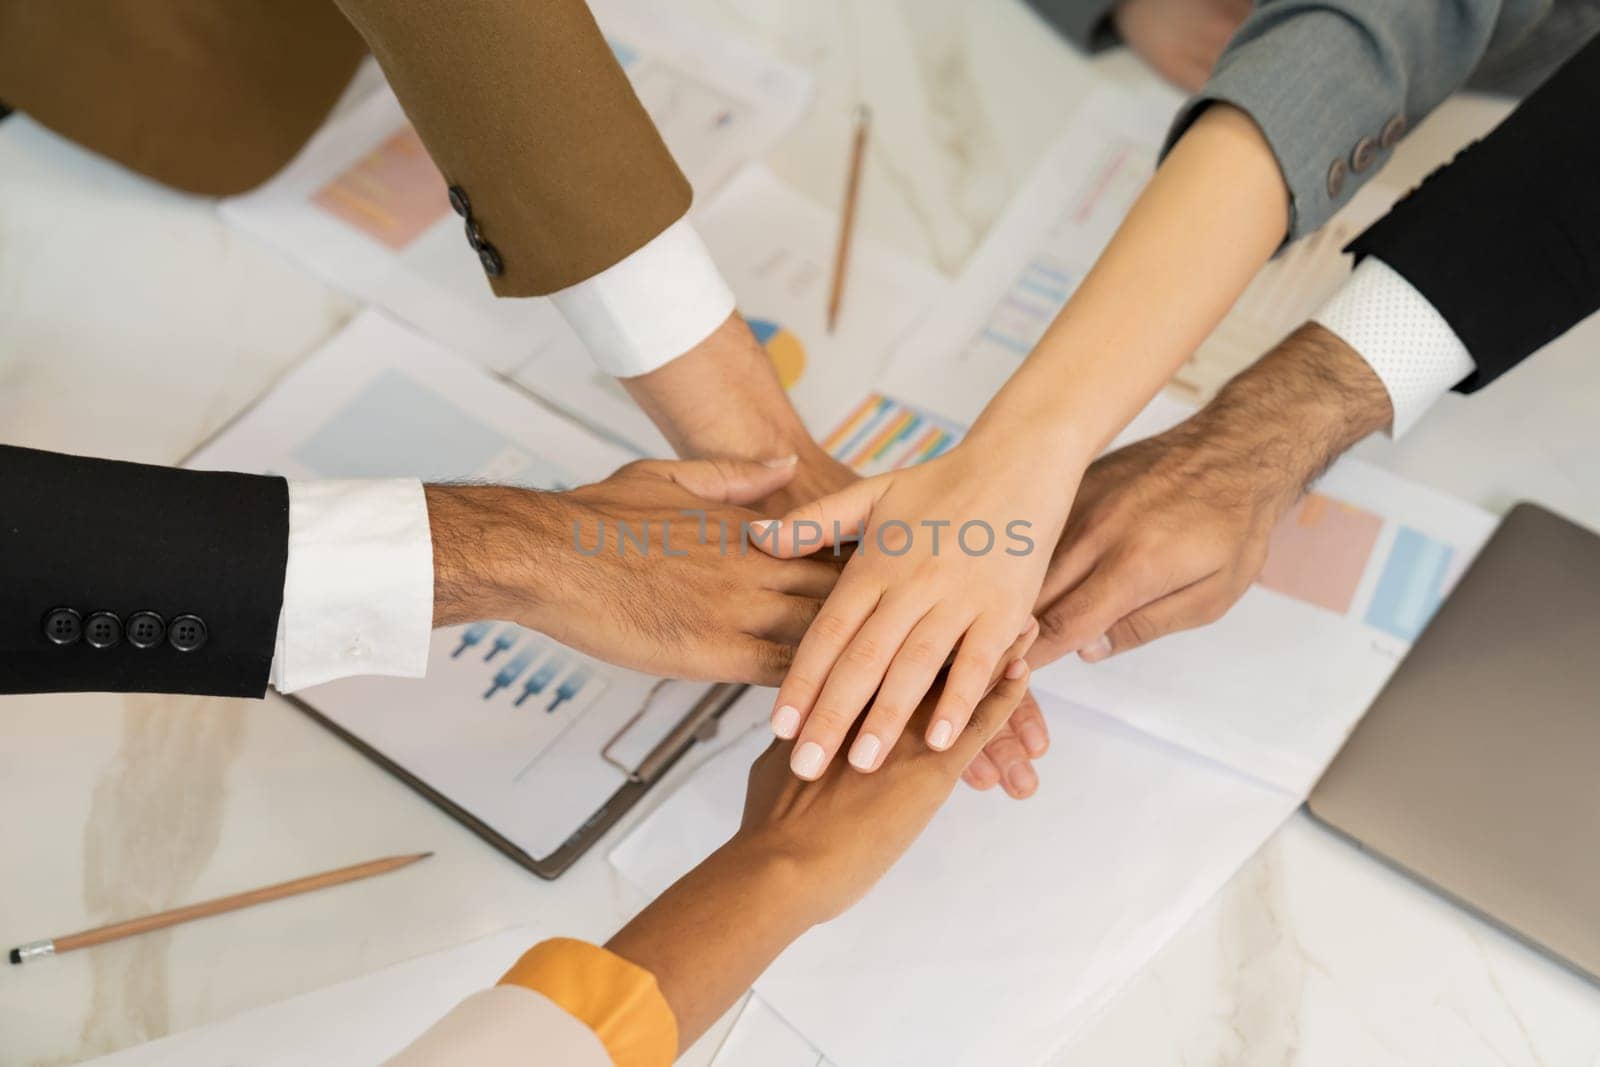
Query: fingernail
point(761, 526)
point(939, 737)
point(781, 462)
point(864, 753)
point(807, 760)
point(786, 722)
point(1021, 779)
point(1096, 650)
point(1034, 739)
point(1016, 669)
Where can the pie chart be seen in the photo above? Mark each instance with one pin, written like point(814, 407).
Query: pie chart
point(788, 355)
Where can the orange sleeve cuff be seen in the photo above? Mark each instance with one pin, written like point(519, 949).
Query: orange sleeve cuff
point(618, 1000)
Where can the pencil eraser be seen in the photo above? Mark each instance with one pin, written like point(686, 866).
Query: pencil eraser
point(16, 955)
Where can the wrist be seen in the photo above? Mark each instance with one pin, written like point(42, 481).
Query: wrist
point(722, 399)
point(1299, 407)
point(495, 549)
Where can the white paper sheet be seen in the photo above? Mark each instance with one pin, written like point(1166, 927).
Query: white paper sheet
point(363, 1021)
point(1275, 686)
point(1008, 924)
point(363, 207)
point(760, 1038)
point(776, 249)
point(508, 724)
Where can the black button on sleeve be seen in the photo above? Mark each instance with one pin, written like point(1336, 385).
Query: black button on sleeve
point(102, 630)
point(490, 258)
point(145, 629)
point(459, 202)
point(475, 235)
point(63, 626)
point(187, 633)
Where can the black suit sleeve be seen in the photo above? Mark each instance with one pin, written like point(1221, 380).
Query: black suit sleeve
point(1504, 241)
point(188, 564)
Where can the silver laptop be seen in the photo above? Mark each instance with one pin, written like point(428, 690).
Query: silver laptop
point(1477, 770)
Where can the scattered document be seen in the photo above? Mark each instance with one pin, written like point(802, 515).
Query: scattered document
point(760, 1038)
point(526, 735)
point(776, 249)
point(360, 1022)
point(1008, 924)
point(363, 207)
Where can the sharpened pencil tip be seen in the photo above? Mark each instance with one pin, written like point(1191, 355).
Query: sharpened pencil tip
point(16, 955)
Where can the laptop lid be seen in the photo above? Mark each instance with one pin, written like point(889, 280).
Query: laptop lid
point(1477, 770)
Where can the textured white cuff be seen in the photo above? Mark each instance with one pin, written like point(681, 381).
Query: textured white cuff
point(1408, 344)
point(650, 308)
point(358, 591)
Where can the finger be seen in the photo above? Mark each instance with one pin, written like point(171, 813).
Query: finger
point(852, 679)
point(1113, 589)
point(981, 773)
point(1197, 605)
point(800, 577)
point(992, 711)
point(782, 618)
point(819, 524)
point(916, 666)
point(1012, 762)
point(1027, 722)
point(725, 481)
point(755, 661)
point(976, 662)
point(841, 616)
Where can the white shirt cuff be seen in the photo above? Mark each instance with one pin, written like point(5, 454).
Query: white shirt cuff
point(1408, 344)
point(358, 590)
point(652, 307)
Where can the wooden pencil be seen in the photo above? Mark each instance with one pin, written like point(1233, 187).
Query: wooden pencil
point(161, 920)
point(847, 217)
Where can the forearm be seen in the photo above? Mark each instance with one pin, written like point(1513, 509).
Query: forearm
point(492, 546)
point(1211, 216)
point(1296, 410)
point(708, 937)
point(722, 398)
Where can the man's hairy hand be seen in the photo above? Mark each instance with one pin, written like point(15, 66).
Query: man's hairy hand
point(1169, 532)
point(647, 569)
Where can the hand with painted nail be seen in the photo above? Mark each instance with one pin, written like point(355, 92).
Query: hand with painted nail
point(950, 558)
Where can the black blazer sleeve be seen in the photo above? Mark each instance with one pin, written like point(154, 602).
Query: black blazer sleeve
point(1505, 240)
point(121, 577)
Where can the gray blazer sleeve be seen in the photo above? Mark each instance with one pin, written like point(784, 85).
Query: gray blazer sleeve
point(1335, 84)
point(1086, 23)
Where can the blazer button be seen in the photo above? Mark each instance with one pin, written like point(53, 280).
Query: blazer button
point(102, 630)
point(1392, 131)
point(459, 202)
point(1336, 176)
point(63, 626)
point(490, 258)
point(145, 629)
point(187, 633)
point(475, 236)
point(1365, 152)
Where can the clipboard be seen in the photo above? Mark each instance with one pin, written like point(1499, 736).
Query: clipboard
point(699, 724)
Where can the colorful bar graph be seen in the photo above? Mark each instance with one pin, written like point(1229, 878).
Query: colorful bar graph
point(882, 434)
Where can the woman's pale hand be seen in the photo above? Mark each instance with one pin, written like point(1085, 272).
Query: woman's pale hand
point(950, 558)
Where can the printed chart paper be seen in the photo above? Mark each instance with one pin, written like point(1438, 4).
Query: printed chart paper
point(508, 724)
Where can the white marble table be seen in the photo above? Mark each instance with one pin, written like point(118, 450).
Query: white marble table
point(133, 324)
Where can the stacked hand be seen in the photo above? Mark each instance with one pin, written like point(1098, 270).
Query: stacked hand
point(1181, 39)
point(951, 558)
point(658, 544)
